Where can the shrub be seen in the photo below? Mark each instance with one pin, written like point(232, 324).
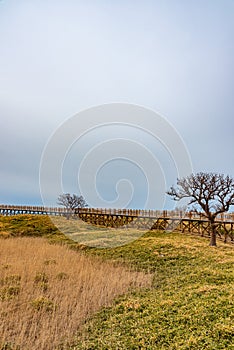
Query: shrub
point(9, 292)
point(41, 277)
point(62, 276)
point(43, 303)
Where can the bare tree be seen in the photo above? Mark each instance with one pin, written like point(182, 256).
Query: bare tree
point(72, 202)
point(213, 193)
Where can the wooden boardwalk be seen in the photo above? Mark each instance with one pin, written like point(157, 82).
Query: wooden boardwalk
point(37, 210)
point(141, 219)
point(160, 220)
point(41, 210)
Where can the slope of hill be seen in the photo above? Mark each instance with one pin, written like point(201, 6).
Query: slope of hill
point(190, 304)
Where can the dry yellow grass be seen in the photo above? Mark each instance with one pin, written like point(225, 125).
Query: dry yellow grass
point(47, 291)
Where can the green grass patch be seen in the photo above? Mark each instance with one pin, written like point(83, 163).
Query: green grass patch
point(26, 225)
point(33, 226)
point(190, 304)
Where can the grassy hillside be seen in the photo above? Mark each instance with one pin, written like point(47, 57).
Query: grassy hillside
point(190, 304)
point(26, 225)
point(75, 231)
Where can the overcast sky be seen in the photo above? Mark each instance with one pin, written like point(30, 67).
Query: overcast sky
point(58, 58)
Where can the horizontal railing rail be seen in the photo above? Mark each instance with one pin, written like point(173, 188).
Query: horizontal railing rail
point(190, 215)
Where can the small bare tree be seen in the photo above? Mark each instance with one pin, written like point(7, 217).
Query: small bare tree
point(71, 202)
point(213, 193)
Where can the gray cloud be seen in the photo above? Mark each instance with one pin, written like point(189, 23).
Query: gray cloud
point(57, 58)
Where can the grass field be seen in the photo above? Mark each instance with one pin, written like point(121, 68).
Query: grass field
point(47, 291)
point(95, 236)
point(190, 304)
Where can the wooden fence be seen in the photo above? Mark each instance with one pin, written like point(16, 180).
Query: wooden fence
point(41, 210)
point(132, 218)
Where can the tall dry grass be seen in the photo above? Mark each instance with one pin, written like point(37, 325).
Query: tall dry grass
point(47, 291)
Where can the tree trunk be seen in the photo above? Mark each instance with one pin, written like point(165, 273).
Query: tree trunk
point(213, 234)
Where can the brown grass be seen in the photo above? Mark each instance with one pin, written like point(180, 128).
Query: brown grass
point(47, 291)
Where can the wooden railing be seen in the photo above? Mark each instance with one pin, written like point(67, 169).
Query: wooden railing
point(14, 209)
